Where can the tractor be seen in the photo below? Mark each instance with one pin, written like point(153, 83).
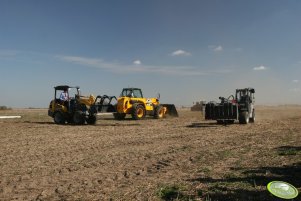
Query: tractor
point(78, 109)
point(132, 102)
point(241, 108)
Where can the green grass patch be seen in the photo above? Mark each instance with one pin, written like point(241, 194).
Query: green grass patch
point(205, 170)
point(288, 151)
point(224, 154)
point(222, 187)
point(173, 192)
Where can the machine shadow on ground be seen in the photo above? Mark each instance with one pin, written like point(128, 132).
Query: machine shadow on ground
point(257, 179)
point(101, 124)
point(205, 125)
point(234, 187)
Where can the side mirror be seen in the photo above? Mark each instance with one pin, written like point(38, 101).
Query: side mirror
point(158, 96)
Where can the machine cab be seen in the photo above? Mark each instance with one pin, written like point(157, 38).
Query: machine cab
point(131, 92)
point(72, 92)
point(56, 103)
point(245, 95)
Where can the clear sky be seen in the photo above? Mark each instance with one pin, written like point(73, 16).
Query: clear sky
point(186, 50)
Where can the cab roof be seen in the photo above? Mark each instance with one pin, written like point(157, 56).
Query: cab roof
point(64, 87)
point(252, 90)
point(131, 88)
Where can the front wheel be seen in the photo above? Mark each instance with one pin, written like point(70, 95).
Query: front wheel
point(138, 112)
point(159, 112)
point(59, 118)
point(78, 118)
point(244, 117)
point(91, 119)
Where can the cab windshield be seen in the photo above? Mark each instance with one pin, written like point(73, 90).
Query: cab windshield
point(72, 92)
point(244, 95)
point(134, 93)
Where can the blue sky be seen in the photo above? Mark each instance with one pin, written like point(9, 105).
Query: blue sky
point(185, 50)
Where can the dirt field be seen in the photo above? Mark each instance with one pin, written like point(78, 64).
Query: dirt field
point(182, 158)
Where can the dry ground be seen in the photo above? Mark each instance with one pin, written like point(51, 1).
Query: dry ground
point(182, 158)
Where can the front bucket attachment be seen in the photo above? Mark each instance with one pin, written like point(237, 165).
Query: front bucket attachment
point(171, 110)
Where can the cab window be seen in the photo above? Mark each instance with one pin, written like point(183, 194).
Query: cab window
point(137, 93)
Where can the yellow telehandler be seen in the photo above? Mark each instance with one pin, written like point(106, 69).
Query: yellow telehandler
point(131, 101)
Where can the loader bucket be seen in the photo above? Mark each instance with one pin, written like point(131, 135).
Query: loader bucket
point(171, 110)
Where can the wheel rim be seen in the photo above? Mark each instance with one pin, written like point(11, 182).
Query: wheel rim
point(140, 112)
point(161, 112)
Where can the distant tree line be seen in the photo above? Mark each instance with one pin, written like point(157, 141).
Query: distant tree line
point(4, 108)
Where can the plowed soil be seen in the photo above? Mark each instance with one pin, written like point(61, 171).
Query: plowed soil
point(183, 158)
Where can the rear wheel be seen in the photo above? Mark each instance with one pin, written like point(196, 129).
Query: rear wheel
point(78, 118)
point(59, 118)
point(91, 119)
point(138, 112)
point(119, 116)
point(159, 112)
point(244, 118)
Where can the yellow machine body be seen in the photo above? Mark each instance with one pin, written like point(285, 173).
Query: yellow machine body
point(125, 104)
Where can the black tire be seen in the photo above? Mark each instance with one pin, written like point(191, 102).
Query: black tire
point(252, 119)
point(59, 118)
point(159, 112)
point(119, 116)
point(91, 119)
point(69, 120)
point(244, 117)
point(78, 118)
point(138, 112)
point(230, 121)
point(220, 121)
